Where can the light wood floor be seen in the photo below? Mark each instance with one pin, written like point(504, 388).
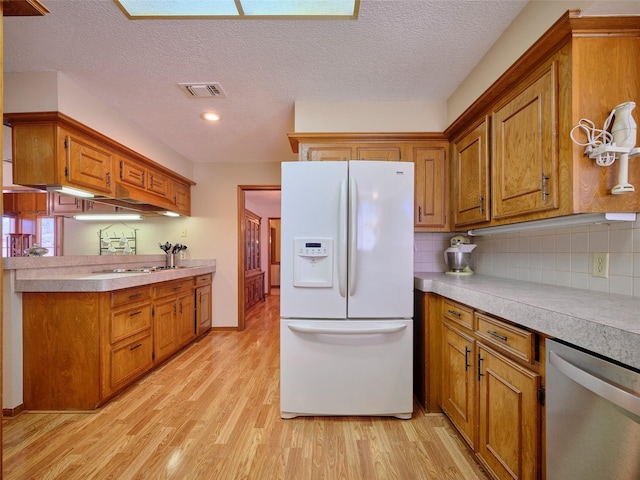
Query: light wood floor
point(213, 413)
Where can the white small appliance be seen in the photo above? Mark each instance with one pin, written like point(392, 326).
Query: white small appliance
point(458, 255)
point(346, 293)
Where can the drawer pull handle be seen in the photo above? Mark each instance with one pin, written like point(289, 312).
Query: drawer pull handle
point(135, 295)
point(133, 314)
point(454, 313)
point(466, 358)
point(497, 335)
point(134, 347)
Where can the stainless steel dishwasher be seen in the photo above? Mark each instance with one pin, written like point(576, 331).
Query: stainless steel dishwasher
point(592, 416)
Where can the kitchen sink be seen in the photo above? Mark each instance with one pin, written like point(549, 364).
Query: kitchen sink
point(138, 270)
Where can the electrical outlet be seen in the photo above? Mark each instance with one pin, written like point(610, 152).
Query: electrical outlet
point(183, 254)
point(183, 232)
point(601, 265)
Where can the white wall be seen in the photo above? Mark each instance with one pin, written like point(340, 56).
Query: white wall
point(213, 228)
point(370, 116)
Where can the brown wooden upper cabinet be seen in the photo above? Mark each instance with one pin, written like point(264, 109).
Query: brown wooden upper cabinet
point(86, 163)
point(52, 149)
point(512, 155)
point(47, 154)
point(524, 154)
point(470, 196)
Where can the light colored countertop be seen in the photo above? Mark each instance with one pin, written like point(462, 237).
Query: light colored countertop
point(607, 324)
point(77, 273)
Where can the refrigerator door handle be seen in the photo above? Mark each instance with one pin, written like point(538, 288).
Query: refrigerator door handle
point(342, 239)
point(348, 330)
point(353, 233)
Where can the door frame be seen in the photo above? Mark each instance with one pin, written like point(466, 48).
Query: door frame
point(270, 250)
point(242, 189)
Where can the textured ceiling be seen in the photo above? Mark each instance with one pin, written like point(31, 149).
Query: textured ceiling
point(397, 50)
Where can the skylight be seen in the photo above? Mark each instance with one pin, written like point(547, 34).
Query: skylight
point(240, 9)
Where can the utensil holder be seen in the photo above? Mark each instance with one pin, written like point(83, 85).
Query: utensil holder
point(171, 260)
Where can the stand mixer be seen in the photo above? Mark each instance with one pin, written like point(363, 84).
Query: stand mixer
point(458, 255)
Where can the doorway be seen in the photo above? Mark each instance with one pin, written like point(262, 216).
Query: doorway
point(264, 202)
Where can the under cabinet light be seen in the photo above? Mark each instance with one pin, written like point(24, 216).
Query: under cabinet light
point(557, 222)
point(107, 217)
point(69, 191)
point(169, 213)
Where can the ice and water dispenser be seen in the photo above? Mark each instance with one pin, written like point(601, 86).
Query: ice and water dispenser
point(313, 262)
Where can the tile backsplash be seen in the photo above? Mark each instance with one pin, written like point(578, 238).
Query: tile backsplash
point(558, 256)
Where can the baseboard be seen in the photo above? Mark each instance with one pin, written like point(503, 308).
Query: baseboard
point(12, 412)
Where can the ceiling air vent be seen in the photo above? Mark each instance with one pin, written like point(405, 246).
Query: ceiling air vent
point(202, 90)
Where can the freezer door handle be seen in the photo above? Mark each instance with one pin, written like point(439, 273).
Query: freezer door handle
point(348, 330)
point(342, 239)
point(626, 400)
point(353, 232)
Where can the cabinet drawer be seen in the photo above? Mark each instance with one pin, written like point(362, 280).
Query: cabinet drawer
point(514, 340)
point(458, 313)
point(131, 360)
point(203, 279)
point(129, 322)
point(173, 288)
point(130, 295)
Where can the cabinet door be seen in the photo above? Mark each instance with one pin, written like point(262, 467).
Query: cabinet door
point(164, 329)
point(459, 381)
point(132, 173)
point(203, 308)
point(185, 320)
point(88, 165)
point(509, 417)
point(130, 360)
point(325, 152)
point(430, 179)
point(385, 153)
point(525, 149)
point(182, 197)
point(470, 170)
point(60, 204)
point(159, 183)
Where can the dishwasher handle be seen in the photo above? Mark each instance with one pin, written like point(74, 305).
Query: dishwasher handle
point(348, 330)
point(624, 399)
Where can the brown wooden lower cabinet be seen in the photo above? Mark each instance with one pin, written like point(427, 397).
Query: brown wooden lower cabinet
point(82, 348)
point(253, 288)
point(491, 384)
point(203, 297)
point(508, 417)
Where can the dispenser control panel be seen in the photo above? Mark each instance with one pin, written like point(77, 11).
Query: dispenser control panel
point(313, 262)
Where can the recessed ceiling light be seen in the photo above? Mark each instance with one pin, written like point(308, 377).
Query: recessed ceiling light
point(210, 116)
point(240, 9)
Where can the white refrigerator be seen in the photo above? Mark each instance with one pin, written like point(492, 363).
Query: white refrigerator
point(346, 292)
